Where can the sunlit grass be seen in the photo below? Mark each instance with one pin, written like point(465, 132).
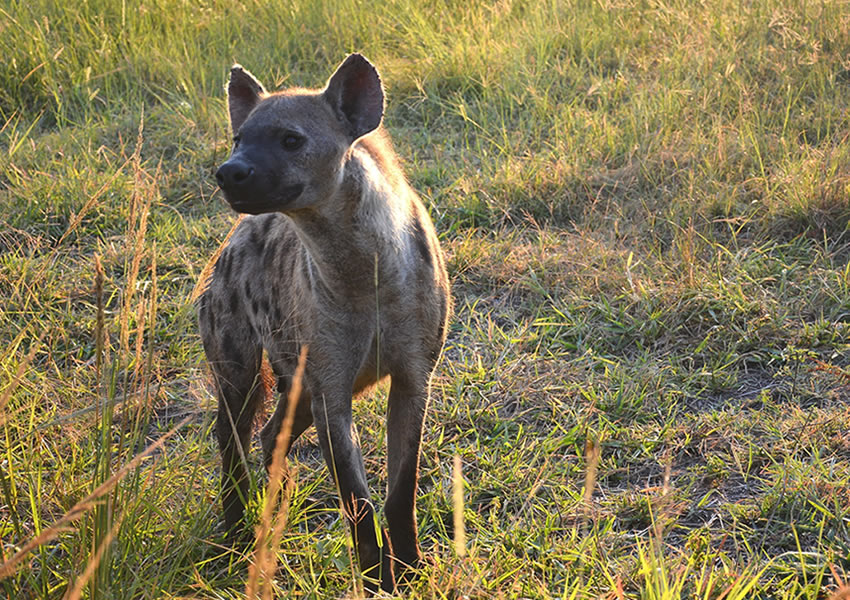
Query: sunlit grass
point(644, 208)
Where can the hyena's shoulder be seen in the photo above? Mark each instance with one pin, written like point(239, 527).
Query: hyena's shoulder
point(259, 244)
point(255, 271)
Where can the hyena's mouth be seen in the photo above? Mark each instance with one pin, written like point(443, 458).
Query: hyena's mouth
point(252, 206)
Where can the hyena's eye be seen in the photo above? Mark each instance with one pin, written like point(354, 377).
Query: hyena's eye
point(292, 141)
point(236, 140)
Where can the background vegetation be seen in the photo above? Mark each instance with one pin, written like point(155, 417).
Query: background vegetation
point(644, 204)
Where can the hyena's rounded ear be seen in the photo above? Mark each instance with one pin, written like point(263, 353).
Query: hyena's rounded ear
point(356, 94)
point(244, 92)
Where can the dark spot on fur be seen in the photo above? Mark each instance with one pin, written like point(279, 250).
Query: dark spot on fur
point(258, 241)
point(248, 293)
point(225, 262)
point(421, 240)
point(278, 317)
point(207, 318)
point(255, 307)
point(264, 304)
point(203, 313)
point(269, 255)
point(234, 301)
point(267, 226)
point(230, 350)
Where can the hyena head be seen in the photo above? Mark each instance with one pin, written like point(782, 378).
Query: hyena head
point(288, 147)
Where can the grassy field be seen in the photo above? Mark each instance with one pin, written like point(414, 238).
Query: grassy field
point(644, 205)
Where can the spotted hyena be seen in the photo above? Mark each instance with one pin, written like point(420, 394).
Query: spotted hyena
point(338, 254)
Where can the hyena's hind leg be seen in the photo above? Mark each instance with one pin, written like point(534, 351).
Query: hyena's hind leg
point(303, 417)
point(235, 356)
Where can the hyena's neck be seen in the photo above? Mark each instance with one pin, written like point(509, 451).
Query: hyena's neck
point(360, 230)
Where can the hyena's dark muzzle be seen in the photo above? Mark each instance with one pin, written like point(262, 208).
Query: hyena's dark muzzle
point(248, 191)
point(238, 180)
point(234, 175)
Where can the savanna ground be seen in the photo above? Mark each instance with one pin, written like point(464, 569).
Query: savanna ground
point(644, 205)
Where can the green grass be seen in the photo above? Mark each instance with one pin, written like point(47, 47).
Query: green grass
point(645, 210)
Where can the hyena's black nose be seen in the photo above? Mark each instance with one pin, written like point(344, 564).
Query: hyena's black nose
point(233, 174)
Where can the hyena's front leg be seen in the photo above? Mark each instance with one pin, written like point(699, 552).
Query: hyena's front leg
point(332, 415)
point(235, 357)
point(407, 403)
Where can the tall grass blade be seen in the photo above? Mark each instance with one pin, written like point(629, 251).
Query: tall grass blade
point(275, 509)
point(457, 507)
